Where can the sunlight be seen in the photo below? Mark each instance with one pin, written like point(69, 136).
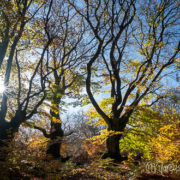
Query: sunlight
point(2, 87)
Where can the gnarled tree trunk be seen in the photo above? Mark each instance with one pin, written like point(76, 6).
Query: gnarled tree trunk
point(112, 148)
point(112, 142)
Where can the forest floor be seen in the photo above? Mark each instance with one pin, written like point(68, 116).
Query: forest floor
point(96, 170)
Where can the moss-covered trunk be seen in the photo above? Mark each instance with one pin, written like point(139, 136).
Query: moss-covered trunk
point(56, 132)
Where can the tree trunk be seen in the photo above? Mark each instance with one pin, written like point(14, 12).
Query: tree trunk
point(56, 136)
point(112, 148)
point(54, 149)
point(4, 140)
point(56, 132)
point(112, 142)
point(3, 49)
point(7, 132)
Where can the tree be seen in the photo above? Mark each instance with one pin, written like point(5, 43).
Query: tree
point(14, 17)
point(130, 56)
point(66, 55)
point(28, 101)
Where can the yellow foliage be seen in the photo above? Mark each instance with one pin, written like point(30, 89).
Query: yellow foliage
point(55, 120)
point(166, 146)
point(55, 108)
point(92, 114)
point(104, 134)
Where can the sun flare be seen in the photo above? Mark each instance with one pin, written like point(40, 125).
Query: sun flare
point(2, 87)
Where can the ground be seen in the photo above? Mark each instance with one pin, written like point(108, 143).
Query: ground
point(95, 170)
